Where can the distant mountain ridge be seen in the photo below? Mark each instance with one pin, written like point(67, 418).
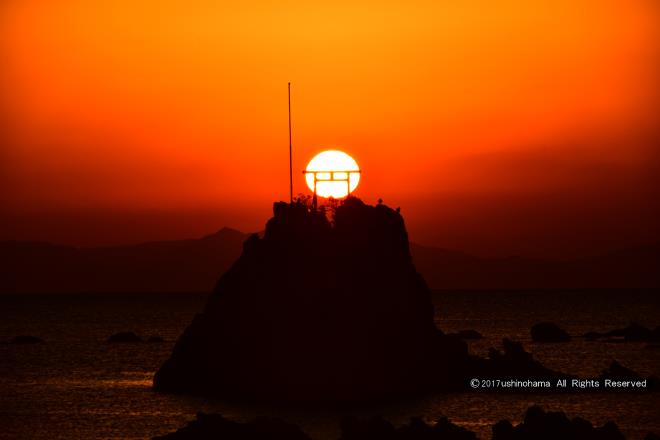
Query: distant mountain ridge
point(195, 265)
point(159, 266)
point(637, 267)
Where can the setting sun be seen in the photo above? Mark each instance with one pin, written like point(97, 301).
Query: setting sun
point(332, 173)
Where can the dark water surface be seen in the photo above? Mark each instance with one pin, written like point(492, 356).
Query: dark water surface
point(77, 386)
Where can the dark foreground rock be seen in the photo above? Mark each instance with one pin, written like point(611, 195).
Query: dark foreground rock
point(548, 332)
point(25, 339)
point(537, 425)
point(318, 311)
point(377, 428)
point(215, 426)
point(632, 333)
point(541, 425)
point(155, 339)
point(468, 334)
point(124, 337)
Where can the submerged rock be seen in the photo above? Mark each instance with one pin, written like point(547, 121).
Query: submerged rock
point(215, 426)
point(541, 425)
point(25, 339)
point(317, 311)
point(548, 332)
point(125, 337)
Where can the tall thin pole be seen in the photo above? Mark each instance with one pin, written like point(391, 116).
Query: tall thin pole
point(290, 151)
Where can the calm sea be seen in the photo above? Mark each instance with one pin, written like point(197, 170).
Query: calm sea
point(77, 386)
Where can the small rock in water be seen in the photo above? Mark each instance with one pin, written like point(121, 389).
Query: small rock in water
point(619, 372)
point(124, 337)
point(515, 362)
point(549, 332)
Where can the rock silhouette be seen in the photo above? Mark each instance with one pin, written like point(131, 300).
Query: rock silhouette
point(541, 425)
point(215, 426)
point(377, 428)
point(318, 311)
point(512, 363)
point(25, 339)
point(468, 334)
point(618, 372)
point(124, 337)
point(537, 425)
point(548, 332)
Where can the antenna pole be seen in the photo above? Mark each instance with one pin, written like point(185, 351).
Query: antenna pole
point(290, 150)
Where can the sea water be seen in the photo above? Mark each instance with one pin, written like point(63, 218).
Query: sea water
point(78, 386)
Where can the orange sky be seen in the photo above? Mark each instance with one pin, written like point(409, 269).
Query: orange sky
point(498, 127)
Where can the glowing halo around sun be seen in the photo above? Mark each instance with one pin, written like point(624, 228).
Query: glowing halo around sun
point(337, 174)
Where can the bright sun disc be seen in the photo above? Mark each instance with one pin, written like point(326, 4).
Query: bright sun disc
point(339, 174)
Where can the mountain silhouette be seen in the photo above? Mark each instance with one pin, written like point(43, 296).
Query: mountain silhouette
point(161, 266)
point(628, 268)
point(194, 265)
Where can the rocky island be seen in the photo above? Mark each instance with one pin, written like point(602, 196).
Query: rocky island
point(317, 310)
